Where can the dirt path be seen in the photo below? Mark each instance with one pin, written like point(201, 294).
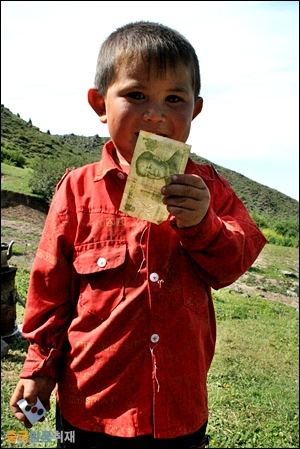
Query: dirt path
point(24, 225)
point(240, 287)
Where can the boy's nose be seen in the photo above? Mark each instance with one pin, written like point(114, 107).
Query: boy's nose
point(154, 113)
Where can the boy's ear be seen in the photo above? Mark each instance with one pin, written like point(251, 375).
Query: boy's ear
point(198, 107)
point(97, 102)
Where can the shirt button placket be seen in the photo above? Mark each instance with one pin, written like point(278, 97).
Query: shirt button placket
point(154, 277)
point(154, 338)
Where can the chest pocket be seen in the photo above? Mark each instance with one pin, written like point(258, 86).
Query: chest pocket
point(101, 270)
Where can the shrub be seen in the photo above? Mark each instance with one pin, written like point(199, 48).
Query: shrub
point(260, 220)
point(47, 172)
point(12, 157)
point(287, 228)
point(284, 232)
point(281, 240)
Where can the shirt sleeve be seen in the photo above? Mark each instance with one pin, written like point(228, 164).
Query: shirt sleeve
point(227, 242)
point(51, 295)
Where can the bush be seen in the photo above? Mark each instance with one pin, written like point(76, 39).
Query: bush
point(260, 220)
point(287, 228)
point(12, 157)
point(283, 232)
point(281, 240)
point(47, 172)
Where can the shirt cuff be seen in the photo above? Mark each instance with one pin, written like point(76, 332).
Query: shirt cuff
point(43, 363)
point(200, 236)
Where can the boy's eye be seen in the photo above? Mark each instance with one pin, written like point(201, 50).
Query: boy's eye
point(136, 95)
point(173, 99)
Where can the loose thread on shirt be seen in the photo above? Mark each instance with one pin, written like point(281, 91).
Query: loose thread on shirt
point(155, 367)
point(143, 252)
point(160, 281)
point(155, 377)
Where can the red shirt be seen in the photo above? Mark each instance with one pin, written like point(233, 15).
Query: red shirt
point(119, 310)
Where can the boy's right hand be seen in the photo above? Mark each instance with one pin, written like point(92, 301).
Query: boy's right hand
point(30, 389)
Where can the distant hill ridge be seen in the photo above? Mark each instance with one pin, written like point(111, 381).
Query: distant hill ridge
point(25, 138)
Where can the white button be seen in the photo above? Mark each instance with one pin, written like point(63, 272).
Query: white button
point(154, 277)
point(121, 175)
point(154, 338)
point(101, 262)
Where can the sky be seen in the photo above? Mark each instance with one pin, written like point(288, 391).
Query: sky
point(249, 63)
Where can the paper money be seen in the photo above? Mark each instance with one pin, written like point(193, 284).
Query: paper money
point(154, 161)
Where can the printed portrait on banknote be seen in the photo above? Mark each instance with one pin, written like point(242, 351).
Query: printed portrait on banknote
point(155, 160)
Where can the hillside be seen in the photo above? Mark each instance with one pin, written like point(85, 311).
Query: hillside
point(25, 138)
point(257, 197)
point(21, 137)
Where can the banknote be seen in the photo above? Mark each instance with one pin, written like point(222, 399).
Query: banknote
point(155, 160)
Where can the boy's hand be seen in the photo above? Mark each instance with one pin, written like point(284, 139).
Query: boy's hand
point(30, 389)
point(187, 198)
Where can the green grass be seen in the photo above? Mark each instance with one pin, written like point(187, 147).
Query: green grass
point(16, 179)
point(253, 381)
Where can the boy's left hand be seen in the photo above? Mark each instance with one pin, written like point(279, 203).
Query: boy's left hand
point(187, 198)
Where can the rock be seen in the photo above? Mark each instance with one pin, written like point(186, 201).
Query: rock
point(289, 274)
point(293, 294)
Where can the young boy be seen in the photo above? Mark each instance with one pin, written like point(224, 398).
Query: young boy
point(119, 312)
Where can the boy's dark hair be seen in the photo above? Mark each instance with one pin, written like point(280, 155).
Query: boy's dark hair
point(154, 44)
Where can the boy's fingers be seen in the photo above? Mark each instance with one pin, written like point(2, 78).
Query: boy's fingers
point(30, 392)
point(193, 180)
point(180, 202)
point(17, 395)
point(15, 409)
point(187, 198)
point(185, 185)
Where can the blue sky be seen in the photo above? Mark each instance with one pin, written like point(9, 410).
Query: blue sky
point(249, 61)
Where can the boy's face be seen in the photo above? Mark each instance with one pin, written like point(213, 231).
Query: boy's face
point(138, 101)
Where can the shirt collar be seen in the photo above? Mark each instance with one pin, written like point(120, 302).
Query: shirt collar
point(107, 162)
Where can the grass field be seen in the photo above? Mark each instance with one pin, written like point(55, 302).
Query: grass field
point(253, 380)
point(15, 179)
point(252, 383)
